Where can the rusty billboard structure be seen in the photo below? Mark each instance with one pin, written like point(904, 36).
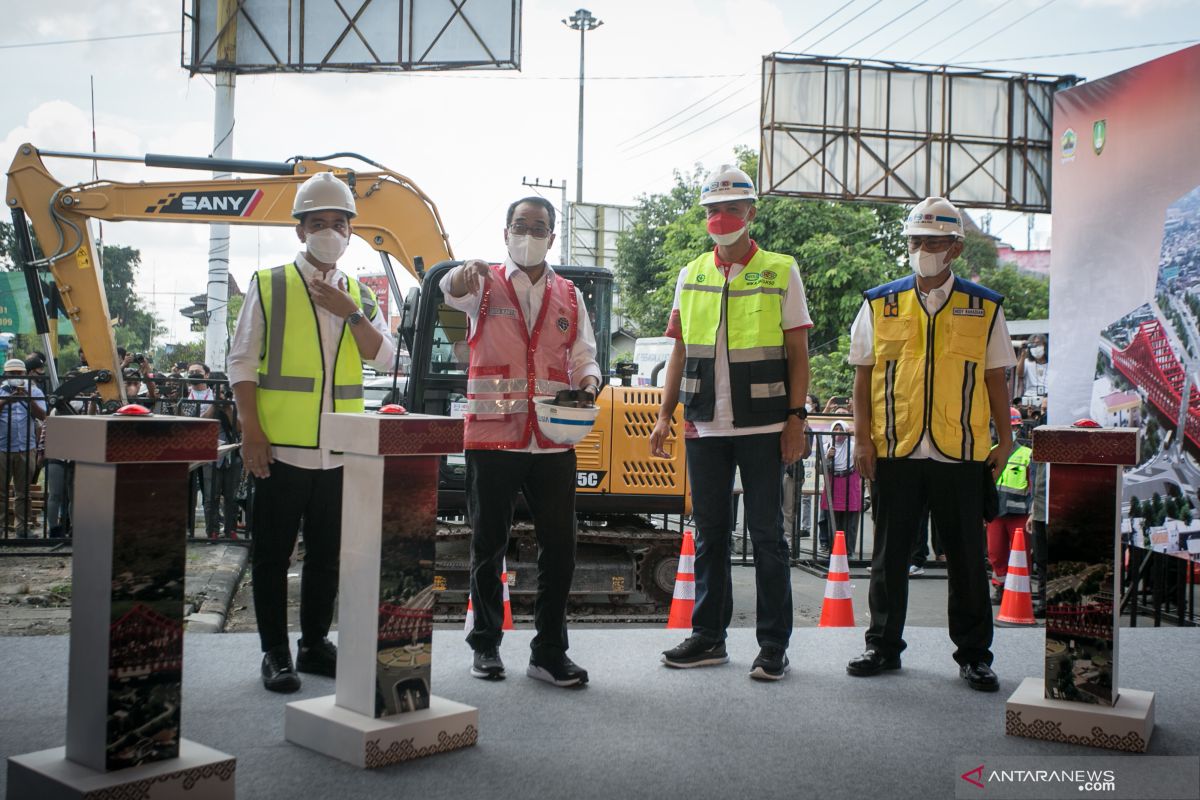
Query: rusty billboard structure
point(855, 129)
point(351, 35)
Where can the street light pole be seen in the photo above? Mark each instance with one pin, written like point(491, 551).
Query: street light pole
point(582, 21)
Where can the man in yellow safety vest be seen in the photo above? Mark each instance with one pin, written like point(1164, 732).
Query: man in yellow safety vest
point(740, 368)
point(303, 333)
point(929, 352)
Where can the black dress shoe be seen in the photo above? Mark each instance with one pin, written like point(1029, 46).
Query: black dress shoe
point(278, 674)
point(979, 676)
point(317, 659)
point(872, 662)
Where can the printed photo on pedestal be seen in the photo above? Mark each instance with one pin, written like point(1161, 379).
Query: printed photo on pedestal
point(1148, 362)
point(1080, 584)
point(145, 665)
point(406, 592)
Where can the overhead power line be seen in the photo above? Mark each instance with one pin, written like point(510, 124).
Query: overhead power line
point(844, 24)
point(88, 39)
point(685, 120)
point(1082, 52)
point(945, 39)
point(996, 33)
point(910, 32)
point(887, 24)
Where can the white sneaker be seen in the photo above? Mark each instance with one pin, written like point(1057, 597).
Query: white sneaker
point(914, 570)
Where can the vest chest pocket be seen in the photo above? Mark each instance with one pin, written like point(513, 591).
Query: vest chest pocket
point(891, 336)
point(968, 337)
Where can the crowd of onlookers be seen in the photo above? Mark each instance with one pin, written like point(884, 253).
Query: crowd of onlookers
point(184, 389)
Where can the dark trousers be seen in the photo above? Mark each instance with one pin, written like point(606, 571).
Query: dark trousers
point(281, 501)
point(494, 477)
point(711, 461)
point(953, 493)
point(222, 495)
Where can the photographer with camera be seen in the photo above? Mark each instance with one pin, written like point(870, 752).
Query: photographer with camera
point(227, 469)
point(198, 399)
point(21, 405)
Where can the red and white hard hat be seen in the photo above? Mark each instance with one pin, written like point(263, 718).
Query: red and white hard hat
point(727, 183)
point(934, 216)
point(323, 192)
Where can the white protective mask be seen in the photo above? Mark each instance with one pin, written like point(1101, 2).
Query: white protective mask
point(526, 250)
point(926, 264)
point(326, 245)
point(15, 383)
point(1037, 351)
point(725, 239)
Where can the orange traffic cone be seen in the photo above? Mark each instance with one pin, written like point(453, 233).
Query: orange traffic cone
point(837, 610)
point(1016, 608)
point(508, 617)
point(683, 601)
point(508, 620)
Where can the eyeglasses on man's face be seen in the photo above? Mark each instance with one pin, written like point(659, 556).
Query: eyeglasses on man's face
point(930, 244)
point(536, 231)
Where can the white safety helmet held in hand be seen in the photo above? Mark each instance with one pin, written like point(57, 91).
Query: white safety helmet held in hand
point(934, 216)
point(323, 192)
point(564, 424)
point(727, 183)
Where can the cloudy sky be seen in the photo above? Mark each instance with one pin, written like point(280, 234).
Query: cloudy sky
point(671, 84)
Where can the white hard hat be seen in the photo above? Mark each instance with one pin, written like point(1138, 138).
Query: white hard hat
point(564, 424)
point(323, 192)
point(934, 216)
point(727, 183)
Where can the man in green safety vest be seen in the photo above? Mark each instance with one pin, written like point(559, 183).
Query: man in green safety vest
point(297, 352)
point(740, 368)
point(1015, 501)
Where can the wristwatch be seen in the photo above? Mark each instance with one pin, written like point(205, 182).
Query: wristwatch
point(799, 411)
point(593, 389)
point(354, 317)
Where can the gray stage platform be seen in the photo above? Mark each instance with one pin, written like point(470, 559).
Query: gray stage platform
point(639, 730)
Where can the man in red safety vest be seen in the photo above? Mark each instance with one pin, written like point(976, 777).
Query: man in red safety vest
point(530, 335)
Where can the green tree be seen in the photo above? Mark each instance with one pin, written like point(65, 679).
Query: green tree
point(1135, 507)
point(1025, 296)
point(829, 373)
point(134, 326)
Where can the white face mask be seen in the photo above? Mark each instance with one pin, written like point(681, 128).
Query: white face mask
point(926, 264)
point(1037, 351)
point(15, 383)
point(326, 245)
point(726, 239)
point(526, 250)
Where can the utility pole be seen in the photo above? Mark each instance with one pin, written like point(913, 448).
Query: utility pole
point(582, 21)
point(564, 214)
point(217, 333)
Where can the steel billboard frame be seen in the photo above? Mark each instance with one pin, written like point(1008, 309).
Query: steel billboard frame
point(847, 165)
point(299, 14)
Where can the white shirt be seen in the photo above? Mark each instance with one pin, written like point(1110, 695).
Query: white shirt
point(246, 345)
point(581, 361)
point(862, 348)
point(1036, 380)
point(794, 315)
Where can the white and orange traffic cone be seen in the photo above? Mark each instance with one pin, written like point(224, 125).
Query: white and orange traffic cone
point(837, 610)
point(1016, 607)
point(508, 617)
point(683, 600)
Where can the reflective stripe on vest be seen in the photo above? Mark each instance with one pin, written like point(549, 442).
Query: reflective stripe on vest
point(510, 364)
point(291, 372)
point(929, 371)
point(752, 305)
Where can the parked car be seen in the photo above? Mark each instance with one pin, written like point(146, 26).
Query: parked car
point(378, 391)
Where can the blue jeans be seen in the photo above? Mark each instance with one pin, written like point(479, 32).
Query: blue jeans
point(711, 461)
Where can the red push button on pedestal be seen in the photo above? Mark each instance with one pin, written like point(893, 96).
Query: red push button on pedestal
point(393, 408)
point(133, 410)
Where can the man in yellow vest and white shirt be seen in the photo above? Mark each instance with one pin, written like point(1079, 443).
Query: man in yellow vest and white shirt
point(297, 352)
point(740, 367)
point(929, 352)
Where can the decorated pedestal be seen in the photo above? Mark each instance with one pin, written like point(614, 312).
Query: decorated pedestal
point(126, 662)
point(1078, 701)
point(384, 711)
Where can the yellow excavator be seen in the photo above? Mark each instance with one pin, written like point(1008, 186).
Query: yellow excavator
point(628, 545)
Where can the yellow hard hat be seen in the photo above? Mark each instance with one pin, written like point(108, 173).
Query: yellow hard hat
point(323, 192)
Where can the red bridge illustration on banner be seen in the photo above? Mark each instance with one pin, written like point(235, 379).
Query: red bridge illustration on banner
point(1150, 363)
point(144, 642)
